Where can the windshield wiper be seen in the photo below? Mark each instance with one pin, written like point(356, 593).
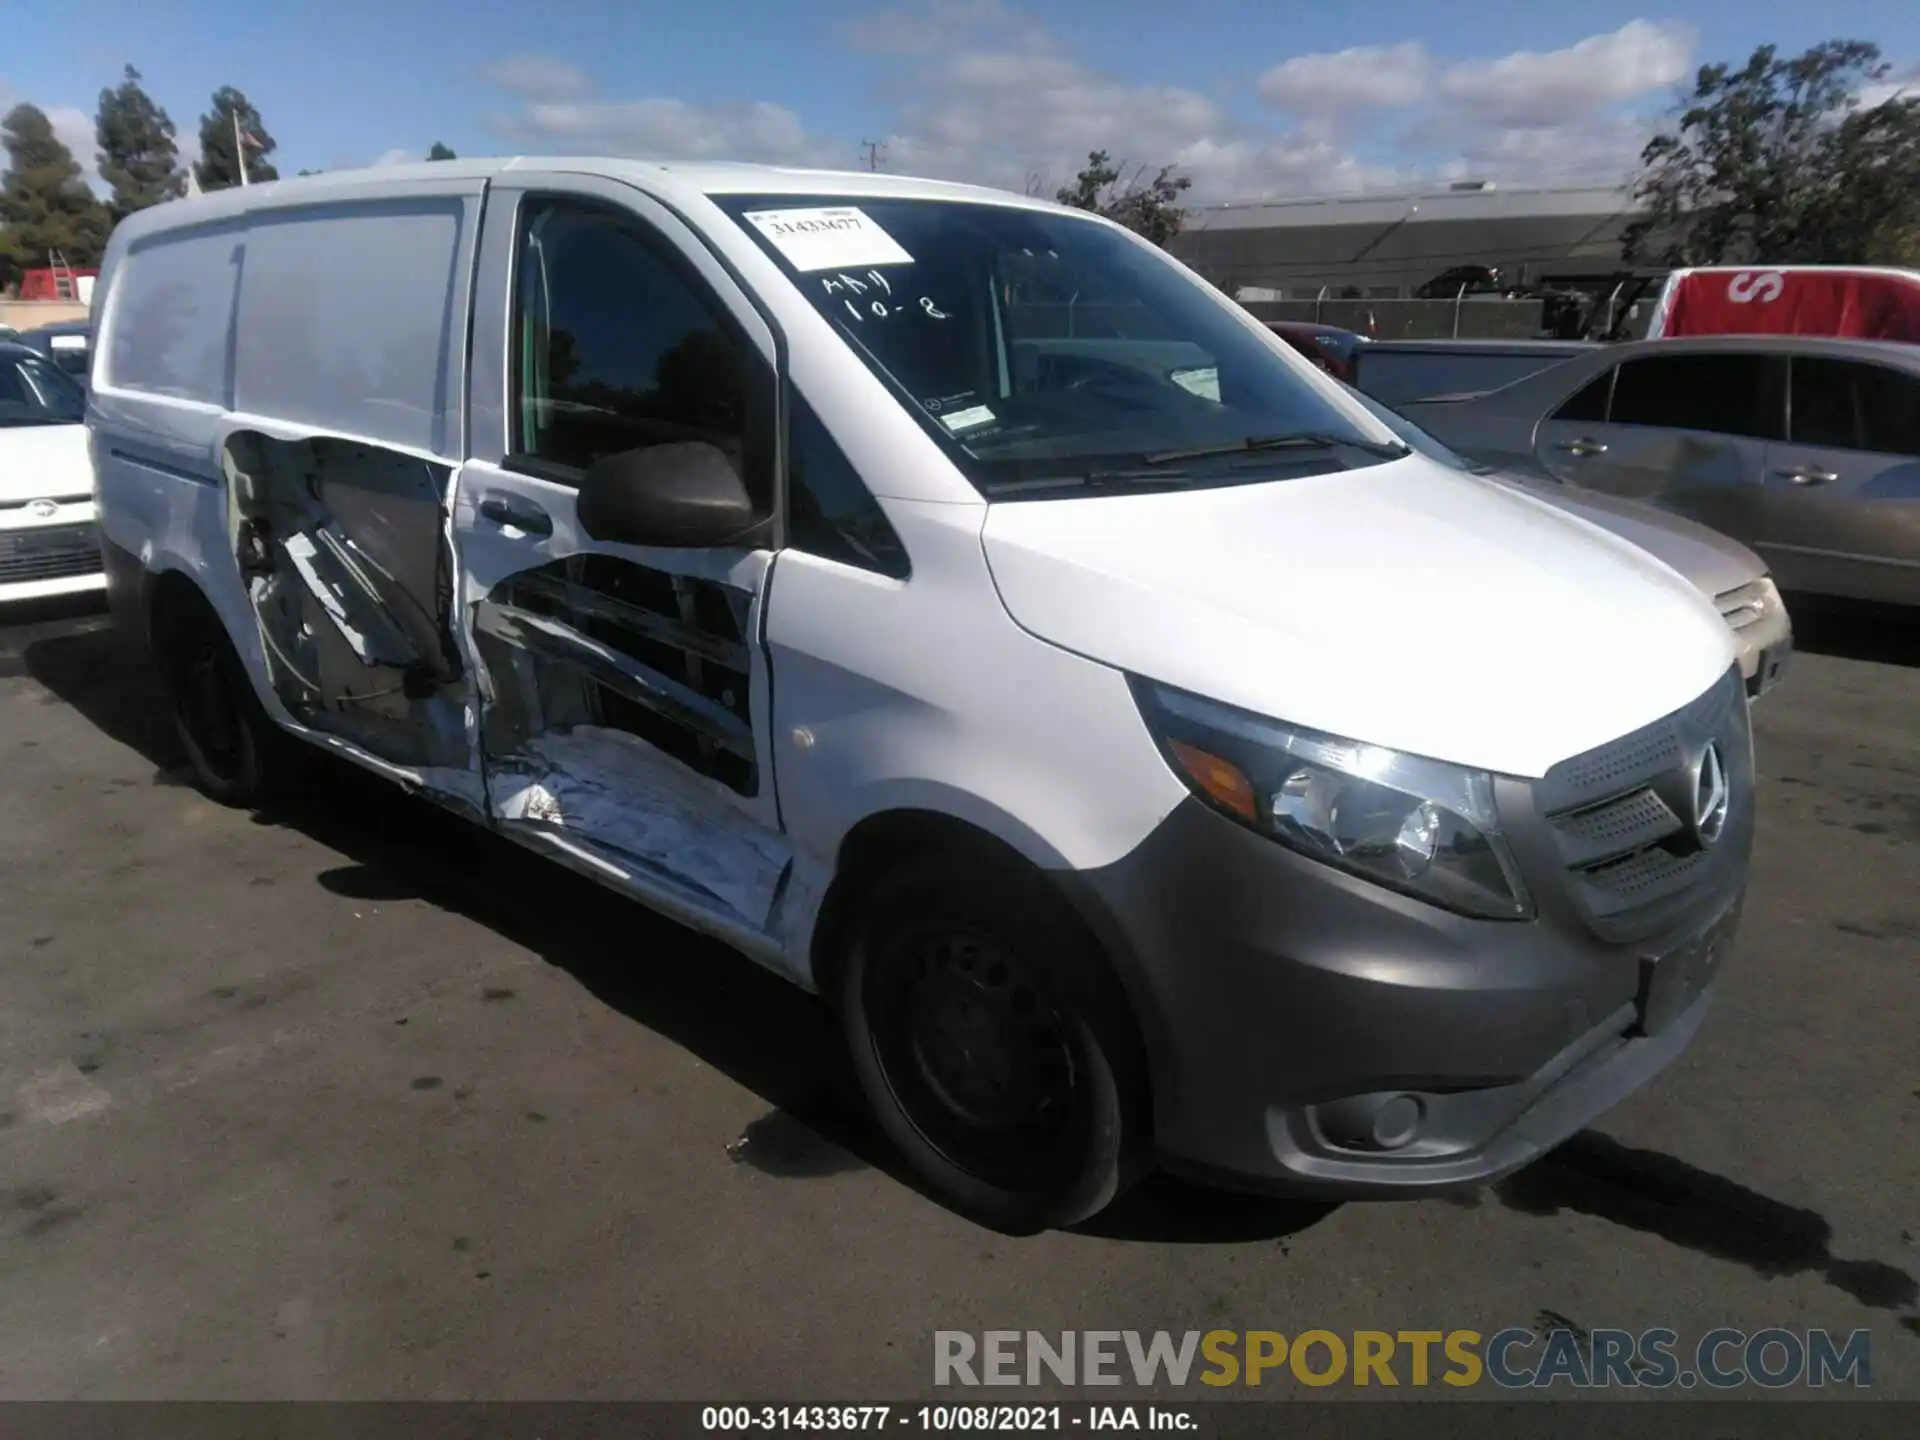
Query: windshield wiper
point(1099, 478)
point(1306, 440)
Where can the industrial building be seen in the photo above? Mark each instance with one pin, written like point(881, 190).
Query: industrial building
point(1384, 246)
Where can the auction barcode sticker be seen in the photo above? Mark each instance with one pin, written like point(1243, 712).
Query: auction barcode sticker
point(827, 238)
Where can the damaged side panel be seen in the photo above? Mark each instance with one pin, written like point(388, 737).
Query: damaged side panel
point(344, 552)
point(619, 716)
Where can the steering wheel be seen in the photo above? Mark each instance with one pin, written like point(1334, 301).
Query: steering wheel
point(1103, 375)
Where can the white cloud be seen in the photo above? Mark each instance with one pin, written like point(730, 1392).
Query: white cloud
point(1345, 80)
point(399, 155)
point(977, 91)
point(1901, 84)
point(538, 77)
point(74, 127)
point(1576, 115)
point(1538, 88)
point(1010, 118)
point(664, 128)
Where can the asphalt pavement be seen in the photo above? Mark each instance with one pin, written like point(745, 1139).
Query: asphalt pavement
point(358, 1101)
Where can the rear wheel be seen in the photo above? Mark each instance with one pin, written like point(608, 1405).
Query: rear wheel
point(991, 1044)
point(237, 754)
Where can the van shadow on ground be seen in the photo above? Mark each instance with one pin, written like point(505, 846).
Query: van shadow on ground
point(783, 1045)
point(747, 1023)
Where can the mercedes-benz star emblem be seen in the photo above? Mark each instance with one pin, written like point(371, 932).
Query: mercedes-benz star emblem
point(1710, 796)
point(43, 509)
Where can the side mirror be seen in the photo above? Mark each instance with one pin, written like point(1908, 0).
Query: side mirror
point(685, 495)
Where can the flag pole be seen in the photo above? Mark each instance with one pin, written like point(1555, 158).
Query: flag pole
point(239, 151)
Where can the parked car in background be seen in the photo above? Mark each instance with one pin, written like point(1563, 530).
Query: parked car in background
point(1328, 346)
point(68, 343)
point(1807, 449)
point(49, 544)
point(1398, 371)
point(1723, 569)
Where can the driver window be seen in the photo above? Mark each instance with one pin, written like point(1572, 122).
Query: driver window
point(620, 345)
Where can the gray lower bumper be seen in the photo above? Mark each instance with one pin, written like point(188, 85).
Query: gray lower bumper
point(1310, 1033)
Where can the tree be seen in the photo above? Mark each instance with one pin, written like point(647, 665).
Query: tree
point(45, 204)
point(1151, 209)
point(218, 167)
point(138, 157)
point(1778, 162)
point(441, 152)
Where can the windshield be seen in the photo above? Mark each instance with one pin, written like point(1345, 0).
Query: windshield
point(33, 391)
point(1044, 349)
point(1415, 437)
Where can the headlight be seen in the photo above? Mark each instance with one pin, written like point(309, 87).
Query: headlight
point(1419, 826)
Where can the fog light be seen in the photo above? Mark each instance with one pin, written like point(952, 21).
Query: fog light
point(1397, 1122)
point(1373, 1122)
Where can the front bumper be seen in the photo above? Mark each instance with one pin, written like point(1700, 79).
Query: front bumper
point(51, 553)
point(1310, 1033)
point(1762, 632)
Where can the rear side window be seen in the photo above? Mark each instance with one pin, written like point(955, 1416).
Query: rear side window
point(619, 346)
point(1849, 405)
point(348, 319)
point(1723, 394)
point(831, 513)
point(172, 317)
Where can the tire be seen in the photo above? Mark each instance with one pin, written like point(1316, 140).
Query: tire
point(992, 1044)
point(237, 754)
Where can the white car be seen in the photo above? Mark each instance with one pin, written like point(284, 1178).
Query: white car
point(950, 601)
point(49, 543)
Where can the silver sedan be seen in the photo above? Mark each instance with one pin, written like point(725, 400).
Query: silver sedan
point(1806, 449)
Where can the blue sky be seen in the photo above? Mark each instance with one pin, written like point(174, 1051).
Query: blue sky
point(1250, 98)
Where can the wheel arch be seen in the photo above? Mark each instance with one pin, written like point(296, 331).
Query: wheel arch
point(887, 840)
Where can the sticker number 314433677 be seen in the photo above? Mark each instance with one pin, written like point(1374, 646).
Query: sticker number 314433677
point(827, 238)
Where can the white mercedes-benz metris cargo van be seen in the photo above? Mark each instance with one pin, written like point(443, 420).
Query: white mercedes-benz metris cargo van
point(953, 603)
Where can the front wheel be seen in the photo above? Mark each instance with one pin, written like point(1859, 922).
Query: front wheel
point(991, 1044)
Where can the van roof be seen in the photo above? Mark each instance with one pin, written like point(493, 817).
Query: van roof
point(665, 178)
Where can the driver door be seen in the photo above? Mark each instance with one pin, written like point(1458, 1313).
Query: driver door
point(624, 689)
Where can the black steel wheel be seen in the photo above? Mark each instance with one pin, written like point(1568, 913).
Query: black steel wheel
point(990, 1043)
point(237, 755)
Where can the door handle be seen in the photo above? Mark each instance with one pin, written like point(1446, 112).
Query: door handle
point(520, 514)
point(1582, 447)
point(1807, 475)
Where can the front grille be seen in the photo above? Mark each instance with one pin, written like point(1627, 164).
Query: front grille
point(50, 552)
point(1623, 816)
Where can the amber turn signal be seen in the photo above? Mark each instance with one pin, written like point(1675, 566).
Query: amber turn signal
point(1219, 779)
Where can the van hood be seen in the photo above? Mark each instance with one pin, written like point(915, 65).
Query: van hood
point(1405, 605)
point(44, 462)
point(1713, 562)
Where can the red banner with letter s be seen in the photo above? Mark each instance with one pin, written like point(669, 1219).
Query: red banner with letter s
point(1793, 300)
